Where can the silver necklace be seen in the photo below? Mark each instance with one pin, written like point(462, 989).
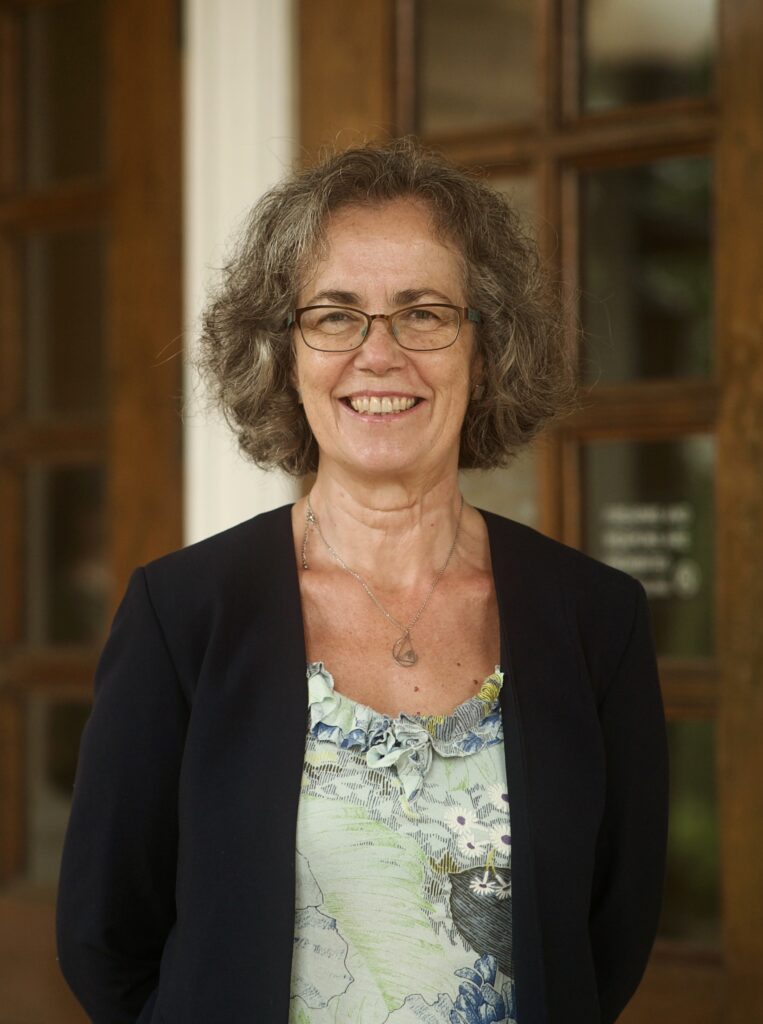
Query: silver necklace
point(402, 649)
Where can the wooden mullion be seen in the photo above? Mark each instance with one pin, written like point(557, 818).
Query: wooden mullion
point(549, 479)
point(739, 319)
point(571, 42)
point(548, 68)
point(11, 558)
point(512, 146)
point(52, 669)
point(633, 136)
point(31, 4)
point(144, 488)
point(648, 409)
point(11, 348)
point(356, 99)
point(572, 500)
point(77, 439)
point(12, 804)
point(79, 202)
point(690, 688)
point(406, 63)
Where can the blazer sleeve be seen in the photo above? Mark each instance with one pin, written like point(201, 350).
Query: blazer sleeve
point(631, 849)
point(116, 890)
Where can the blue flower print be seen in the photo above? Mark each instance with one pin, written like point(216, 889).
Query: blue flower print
point(478, 1001)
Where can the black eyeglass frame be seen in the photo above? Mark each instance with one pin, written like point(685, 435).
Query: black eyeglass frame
point(464, 313)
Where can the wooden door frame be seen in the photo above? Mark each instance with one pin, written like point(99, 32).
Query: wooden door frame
point(138, 200)
point(728, 126)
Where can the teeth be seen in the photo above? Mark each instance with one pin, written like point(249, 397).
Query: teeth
point(381, 406)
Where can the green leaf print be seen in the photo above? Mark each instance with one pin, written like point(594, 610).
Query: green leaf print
point(379, 908)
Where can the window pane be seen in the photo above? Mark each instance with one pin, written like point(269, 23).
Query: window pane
point(54, 728)
point(639, 51)
point(522, 193)
point(511, 492)
point(648, 510)
point(67, 577)
point(63, 90)
point(64, 302)
point(647, 272)
point(475, 64)
point(691, 907)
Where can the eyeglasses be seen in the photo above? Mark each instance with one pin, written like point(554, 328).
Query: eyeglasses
point(417, 328)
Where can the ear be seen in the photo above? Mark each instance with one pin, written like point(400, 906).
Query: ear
point(477, 368)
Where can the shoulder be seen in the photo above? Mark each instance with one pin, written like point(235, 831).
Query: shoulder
point(234, 567)
point(213, 590)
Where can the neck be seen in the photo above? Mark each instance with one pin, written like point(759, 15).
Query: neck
point(395, 534)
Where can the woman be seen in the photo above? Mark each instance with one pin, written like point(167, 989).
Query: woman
point(458, 813)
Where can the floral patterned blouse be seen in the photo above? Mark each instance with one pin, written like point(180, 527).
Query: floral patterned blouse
point(403, 887)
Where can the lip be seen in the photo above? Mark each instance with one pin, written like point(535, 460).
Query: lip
point(379, 394)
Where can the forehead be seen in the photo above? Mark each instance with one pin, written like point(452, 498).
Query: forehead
point(395, 243)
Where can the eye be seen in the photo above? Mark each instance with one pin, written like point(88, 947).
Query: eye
point(421, 314)
point(334, 316)
point(330, 320)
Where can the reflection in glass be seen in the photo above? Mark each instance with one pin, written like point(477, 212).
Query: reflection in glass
point(67, 576)
point(642, 51)
point(63, 69)
point(475, 64)
point(691, 907)
point(64, 301)
point(649, 511)
point(647, 273)
point(54, 728)
point(511, 492)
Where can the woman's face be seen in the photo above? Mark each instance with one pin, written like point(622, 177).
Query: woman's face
point(380, 259)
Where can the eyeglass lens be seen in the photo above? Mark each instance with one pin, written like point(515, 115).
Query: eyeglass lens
point(336, 328)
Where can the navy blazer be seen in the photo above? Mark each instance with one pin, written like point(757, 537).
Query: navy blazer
point(176, 897)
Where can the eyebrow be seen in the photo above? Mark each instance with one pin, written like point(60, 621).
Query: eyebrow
point(406, 297)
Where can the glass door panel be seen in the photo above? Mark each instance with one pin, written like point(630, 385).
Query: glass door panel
point(63, 92)
point(67, 580)
point(647, 275)
point(511, 492)
point(691, 906)
point(54, 728)
point(640, 51)
point(522, 192)
point(649, 510)
point(64, 305)
point(476, 64)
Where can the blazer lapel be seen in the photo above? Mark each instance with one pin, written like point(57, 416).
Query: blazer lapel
point(521, 633)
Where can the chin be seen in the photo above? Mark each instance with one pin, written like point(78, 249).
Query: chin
point(390, 464)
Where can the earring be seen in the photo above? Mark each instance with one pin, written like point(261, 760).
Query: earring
point(478, 392)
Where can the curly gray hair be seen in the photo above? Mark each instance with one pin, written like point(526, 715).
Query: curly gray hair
point(246, 347)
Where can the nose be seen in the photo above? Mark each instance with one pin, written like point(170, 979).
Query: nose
point(379, 352)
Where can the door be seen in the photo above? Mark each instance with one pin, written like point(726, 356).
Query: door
point(629, 134)
point(90, 319)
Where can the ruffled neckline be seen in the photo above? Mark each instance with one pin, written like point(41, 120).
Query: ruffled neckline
point(404, 742)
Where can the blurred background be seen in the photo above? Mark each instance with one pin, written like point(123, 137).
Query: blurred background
point(134, 134)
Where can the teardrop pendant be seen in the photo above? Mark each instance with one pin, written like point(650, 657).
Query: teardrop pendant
point(403, 652)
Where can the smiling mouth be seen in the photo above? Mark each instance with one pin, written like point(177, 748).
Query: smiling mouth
point(371, 404)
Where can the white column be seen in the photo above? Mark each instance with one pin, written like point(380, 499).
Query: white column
point(240, 138)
